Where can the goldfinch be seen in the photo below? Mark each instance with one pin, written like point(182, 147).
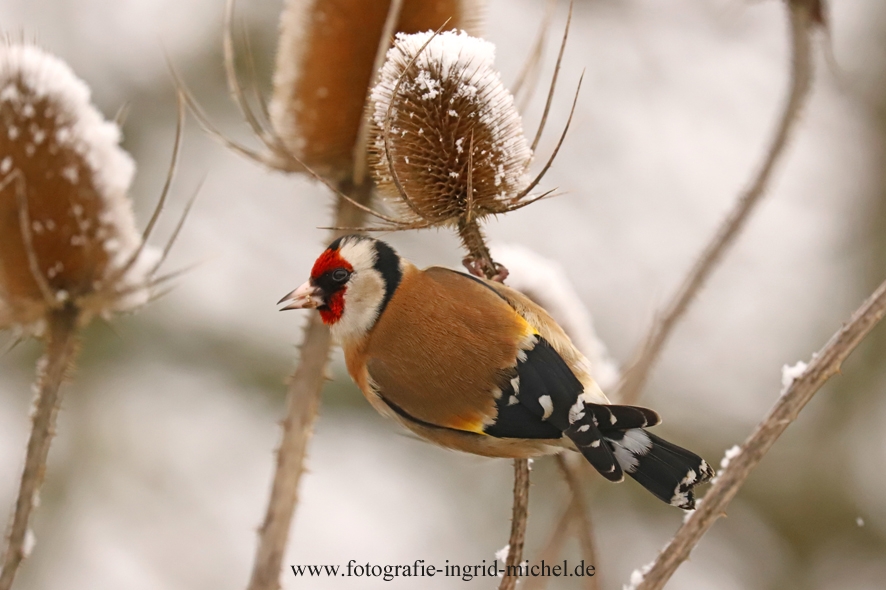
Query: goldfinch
point(473, 365)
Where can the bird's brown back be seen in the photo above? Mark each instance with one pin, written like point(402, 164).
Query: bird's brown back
point(444, 342)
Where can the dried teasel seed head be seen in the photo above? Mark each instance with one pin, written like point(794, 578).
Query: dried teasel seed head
point(67, 233)
point(449, 99)
point(324, 67)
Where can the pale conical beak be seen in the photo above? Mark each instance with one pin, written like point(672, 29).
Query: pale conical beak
point(305, 297)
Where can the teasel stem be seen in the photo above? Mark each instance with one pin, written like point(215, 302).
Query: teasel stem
point(825, 364)
point(519, 516)
point(480, 261)
point(303, 396)
point(62, 345)
point(475, 243)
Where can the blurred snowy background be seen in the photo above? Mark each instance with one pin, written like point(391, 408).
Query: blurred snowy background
point(159, 475)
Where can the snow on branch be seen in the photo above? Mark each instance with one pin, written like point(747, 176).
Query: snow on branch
point(804, 384)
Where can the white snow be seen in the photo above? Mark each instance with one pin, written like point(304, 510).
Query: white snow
point(687, 514)
point(454, 65)
point(730, 454)
point(789, 373)
point(29, 544)
point(46, 77)
point(502, 554)
point(29, 76)
point(637, 576)
point(547, 282)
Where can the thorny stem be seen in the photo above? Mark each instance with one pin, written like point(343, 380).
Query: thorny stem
point(481, 260)
point(306, 384)
point(825, 364)
point(525, 84)
point(475, 243)
point(575, 515)
point(635, 376)
point(551, 551)
point(519, 516)
point(584, 526)
point(61, 348)
point(303, 403)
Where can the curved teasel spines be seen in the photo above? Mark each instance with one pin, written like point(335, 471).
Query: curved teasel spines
point(67, 231)
point(324, 66)
point(443, 121)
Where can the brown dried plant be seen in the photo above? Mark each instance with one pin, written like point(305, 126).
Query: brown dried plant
point(328, 53)
point(69, 249)
point(448, 149)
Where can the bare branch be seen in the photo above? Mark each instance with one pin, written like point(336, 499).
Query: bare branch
point(257, 95)
point(825, 364)
point(524, 86)
point(553, 155)
point(519, 516)
point(384, 42)
point(584, 526)
point(368, 229)
point(554, 546)
point(553, 87)
point(303, 402)
point(178, 227)
point(234, 86)
point(636, 375)
point(164, 193)
point(61, 348)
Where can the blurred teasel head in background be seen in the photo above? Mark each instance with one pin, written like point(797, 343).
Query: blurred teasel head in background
point(67, 231)
point(325, 64)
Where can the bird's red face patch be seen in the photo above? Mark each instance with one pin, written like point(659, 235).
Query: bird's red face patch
point(321, 275)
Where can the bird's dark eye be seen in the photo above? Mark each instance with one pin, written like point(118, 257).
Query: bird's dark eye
point(340, 275)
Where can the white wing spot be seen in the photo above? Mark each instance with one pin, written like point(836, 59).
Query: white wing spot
point(548, 405)
point(680, 498)
point(577, 411)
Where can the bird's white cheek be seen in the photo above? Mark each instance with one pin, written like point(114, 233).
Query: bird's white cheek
point(362, 300)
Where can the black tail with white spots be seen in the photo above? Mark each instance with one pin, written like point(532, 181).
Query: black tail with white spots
point(544, 400)
point(613, 440)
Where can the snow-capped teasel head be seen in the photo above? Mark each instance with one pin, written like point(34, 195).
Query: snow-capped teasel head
point(442, 121)
point(316, 108)
point(67, 230)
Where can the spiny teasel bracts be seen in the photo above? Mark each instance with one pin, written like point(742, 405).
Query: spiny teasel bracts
point(67, 232)
point(449, 99)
